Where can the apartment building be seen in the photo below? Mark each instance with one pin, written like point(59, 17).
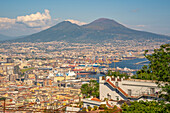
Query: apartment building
point(127, 89)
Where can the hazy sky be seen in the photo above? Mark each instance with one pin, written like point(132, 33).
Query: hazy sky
point(23, 17)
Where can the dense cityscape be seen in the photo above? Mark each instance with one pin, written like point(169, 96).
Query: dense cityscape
point(49, 75)
point(84, 56)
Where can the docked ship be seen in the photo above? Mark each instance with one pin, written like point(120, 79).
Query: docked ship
point(59, 74)
point(117, 60)
point(71, 73)
point(102, 72)
point(89, 65)
point(129, 58)
point(88, 72)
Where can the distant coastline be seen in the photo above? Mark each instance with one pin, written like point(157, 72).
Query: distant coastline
point(129, 63)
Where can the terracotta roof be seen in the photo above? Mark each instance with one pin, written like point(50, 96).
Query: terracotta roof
point(96, 99)
point(124, 93)
point(116, 87)
point(109, 105)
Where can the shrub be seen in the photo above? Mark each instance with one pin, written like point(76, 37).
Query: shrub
point(95, 108)
point(105, 108)
point(89, 108)
point(102, 106)
point(84, 109)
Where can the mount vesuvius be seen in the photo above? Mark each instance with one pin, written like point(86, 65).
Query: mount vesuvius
point(100, 30)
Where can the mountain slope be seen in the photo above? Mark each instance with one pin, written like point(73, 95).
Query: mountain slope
point(4, 37)
point(95, 32)
point(103, 24)
point(62, 31)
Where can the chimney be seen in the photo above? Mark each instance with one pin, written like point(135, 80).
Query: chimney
point(115, 78)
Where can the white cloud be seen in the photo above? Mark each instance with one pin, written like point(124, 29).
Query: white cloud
point(32, 20)
point(140, 25)
point(28, 24)
point(137, 27)
point(6, 23)
point(7, 20)
point(35, 20)
point(35, 17)
point(76, 22)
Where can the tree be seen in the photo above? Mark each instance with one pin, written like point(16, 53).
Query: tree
point(25, 67)
point(84, 109)
point(95, 108)
point(89, 108)
point(160, 62)
point(145, 74)
point(102, 106)
point(91, 89)
point(159, 68)
point(117, 74)
point(115, 109)
point(145, 107)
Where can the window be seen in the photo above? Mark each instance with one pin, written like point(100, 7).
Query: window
point(117, 97)
point(152, 90)
point(129, 92)
point(116, 84)
point(108, 96)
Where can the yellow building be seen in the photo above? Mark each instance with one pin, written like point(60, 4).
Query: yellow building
point(60, 78)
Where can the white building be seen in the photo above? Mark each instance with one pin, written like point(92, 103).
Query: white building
point(92, 102)
point(72, 109)
point(132, 89)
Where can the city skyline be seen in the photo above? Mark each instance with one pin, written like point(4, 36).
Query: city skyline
point(27, 17)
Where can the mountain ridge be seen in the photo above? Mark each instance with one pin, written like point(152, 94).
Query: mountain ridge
point(100, 30)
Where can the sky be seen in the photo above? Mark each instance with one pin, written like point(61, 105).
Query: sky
point(25, 17)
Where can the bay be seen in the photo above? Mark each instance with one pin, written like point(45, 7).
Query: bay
point(122, 64)
point(129, 63)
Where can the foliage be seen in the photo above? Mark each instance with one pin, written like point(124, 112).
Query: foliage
point(27, 69)
point(95, 108)
point(91, 89)
point(110, 111)
point(160, 66)
point(84, 109)
point(64, 109)
point(160, 62)
point(2, 98)
point(115, 107)
point(145, 107)
point(145, 74)
point(89, 108)
point(113, 110)
point(102, 106)
point(106, 99)
point(105, 108)
point(80, 106)
point(117, 74)
point(158, 69)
